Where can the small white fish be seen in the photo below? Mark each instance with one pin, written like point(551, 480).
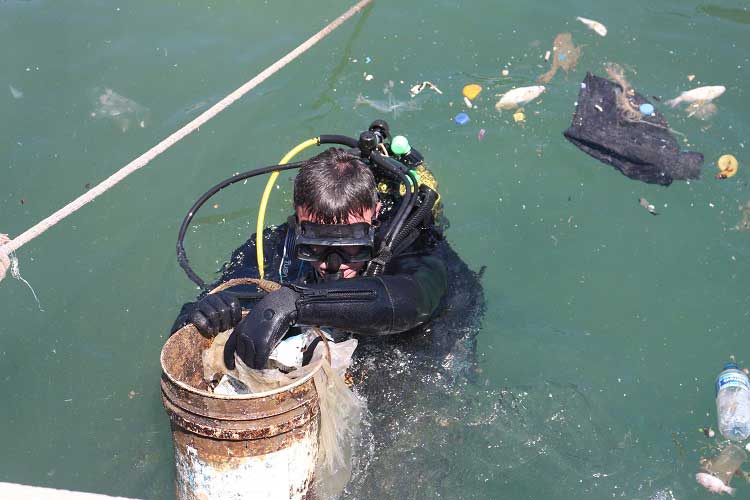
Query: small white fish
point(519, 97)
point(17, 94)
point(701, 94)
point(594, 25)
point(713, 483)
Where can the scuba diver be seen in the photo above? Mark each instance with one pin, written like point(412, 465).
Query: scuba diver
point(365, 253)
point(358, 256)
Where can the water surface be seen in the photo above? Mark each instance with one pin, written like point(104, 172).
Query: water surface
point(604, 326)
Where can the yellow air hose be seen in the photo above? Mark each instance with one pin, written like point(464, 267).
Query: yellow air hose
point(267, 194)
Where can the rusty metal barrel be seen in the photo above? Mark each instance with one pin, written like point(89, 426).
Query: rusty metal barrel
point(262, 445)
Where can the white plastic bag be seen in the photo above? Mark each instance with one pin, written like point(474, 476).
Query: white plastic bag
point(340, 408)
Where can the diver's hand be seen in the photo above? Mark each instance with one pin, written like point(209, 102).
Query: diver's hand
point(216, 313)
point(261, 331)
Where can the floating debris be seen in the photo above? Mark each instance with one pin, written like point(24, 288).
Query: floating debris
point(701, 94)
point(625, 94)
point(390, 106)
point(518, 97)
point(707, 431)
point(713, 483)
point(641, 147)
point(418, 88)
point(468, 103)
point(461, 119)
point(122, 111)
point(648, 206)
point(646, 109)
point(598, 27)
point(727, 165)
point(10, 261)
point(471, 91)
point(691, 78)
point(702, 110)
point(564, 55)
point(480, 134)
point(519, 116)
point(717, 472)
point(17, 94)
point(368, 77)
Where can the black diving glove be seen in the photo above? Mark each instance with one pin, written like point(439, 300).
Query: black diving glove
point(261, 331)
point(216, 313)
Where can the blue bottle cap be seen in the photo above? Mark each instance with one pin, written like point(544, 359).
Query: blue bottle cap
point(462, 118)
point(562, 57)
point(647, 109)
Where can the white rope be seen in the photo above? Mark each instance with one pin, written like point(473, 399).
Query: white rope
point(6, 248)
point(4, 258)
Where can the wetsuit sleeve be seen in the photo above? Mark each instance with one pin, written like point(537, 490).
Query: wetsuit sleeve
point(379, 305)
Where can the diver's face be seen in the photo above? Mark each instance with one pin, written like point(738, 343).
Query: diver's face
point(349, 269)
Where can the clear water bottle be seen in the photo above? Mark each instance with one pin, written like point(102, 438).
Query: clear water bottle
point(733, 403)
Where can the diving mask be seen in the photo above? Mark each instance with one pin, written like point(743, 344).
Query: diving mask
point(349, 242)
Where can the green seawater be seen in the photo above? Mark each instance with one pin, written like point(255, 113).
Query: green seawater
point(605, 325)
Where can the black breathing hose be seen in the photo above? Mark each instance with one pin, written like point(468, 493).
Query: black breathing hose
point(338, 139)
point(408, 200)
point(181, 255)
point(407, 177)
point(428, 201)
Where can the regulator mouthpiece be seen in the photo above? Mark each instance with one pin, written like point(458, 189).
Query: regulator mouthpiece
point(333, 266)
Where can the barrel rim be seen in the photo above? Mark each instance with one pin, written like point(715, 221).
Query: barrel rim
point(254, 395)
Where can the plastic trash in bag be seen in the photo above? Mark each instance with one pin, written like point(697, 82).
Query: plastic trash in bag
point(609, 125)
point(341, 410)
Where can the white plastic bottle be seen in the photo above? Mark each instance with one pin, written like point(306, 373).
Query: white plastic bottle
point(733, 403)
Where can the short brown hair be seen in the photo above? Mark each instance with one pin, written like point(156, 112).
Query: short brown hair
point(333, 185)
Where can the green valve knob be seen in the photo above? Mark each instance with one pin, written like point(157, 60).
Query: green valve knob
point(400, 145)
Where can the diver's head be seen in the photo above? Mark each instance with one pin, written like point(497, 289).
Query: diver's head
point(335, 188)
